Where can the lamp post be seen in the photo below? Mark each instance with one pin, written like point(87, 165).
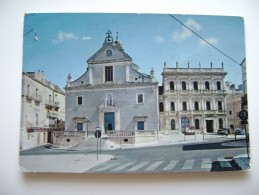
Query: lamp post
point(36, 38)
point(234, 112)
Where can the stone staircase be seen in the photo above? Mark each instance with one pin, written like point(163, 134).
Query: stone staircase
point(90, 143)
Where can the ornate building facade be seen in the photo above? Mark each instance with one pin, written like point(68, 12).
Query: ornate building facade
point(42, 110)
point(112, 94)
point(192, 99)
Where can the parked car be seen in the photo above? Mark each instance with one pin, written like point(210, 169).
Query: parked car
point(239, 131)
point(223, 131)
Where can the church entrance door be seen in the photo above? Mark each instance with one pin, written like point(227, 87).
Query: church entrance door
point(109, 121)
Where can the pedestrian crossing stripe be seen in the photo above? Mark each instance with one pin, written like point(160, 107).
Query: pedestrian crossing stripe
point(206, 163)
point(154, 165)
point(119, 168)
point(137, 167)
point(188, 164)
point(171, 165)
point(107, 167)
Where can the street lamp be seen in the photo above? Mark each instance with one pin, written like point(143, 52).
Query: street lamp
point(233, 101)
point(36, 38)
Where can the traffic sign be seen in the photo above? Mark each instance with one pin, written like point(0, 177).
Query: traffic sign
point(243, 115)
point(97, 133)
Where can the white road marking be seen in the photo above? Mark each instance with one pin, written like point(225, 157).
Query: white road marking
point(123, 166)
point(137, 167)
point(206, 163)
point(171, 165)
point(154, 166)
point(188, 164)
point(107, 167)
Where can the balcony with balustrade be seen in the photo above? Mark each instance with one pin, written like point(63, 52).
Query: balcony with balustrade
point(195, 92)
point(49, 104)
point(33, 96)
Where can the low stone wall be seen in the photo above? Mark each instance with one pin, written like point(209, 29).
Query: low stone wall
point(132, 137)
point(68, 138)
point(122, 140)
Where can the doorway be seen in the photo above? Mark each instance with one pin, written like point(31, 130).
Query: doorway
point(209, 126)
point(108, 121)
point(184, 123)
point(49, 137)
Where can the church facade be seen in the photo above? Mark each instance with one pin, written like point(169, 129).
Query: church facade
point(193, 99)
point(112, 94)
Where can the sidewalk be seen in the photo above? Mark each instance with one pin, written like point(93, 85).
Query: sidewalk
point(163, 140)
point(65, 163)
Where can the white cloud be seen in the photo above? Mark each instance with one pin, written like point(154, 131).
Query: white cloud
point(213, 41)
point(186, 33)
point(86, 38)
point(64, 36)
point(159, 39)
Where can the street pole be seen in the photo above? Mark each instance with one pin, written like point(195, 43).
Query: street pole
point(97, 147)
point(233, 108)
point(247, 150)
point(100, 145)
point(87, 128)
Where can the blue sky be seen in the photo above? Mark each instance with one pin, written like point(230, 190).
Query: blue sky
point(67, 41)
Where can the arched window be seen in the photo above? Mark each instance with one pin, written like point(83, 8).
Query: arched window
point(161, 107)
point(184, 106)
point(197, 124)
point(171, 85)
point(195, 85)
point(219, 105)
point(218, 85)
point(172, 124)
point(220, 123)
point(172, 106)
point(207, 85)
point(196, 106)
point(208, 105)
point(183, 85)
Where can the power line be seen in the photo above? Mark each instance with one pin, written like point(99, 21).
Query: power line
point(204, 39)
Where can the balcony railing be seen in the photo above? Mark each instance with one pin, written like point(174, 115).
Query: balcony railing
point(70, 133)
point(52, 104)
point(191, 91)
point(34, 96)
point(193, 112)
